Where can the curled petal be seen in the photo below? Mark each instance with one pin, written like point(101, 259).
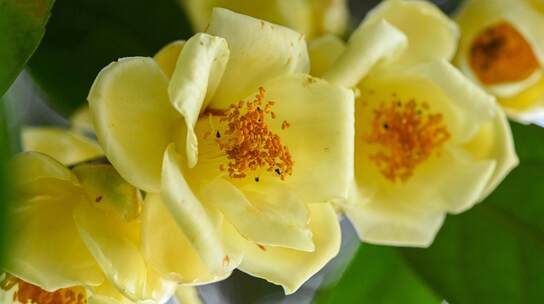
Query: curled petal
point(198, 72)
point(190, 215)
point(370, 45)
point(134, 118)
point(288, 267)
point(431, 34)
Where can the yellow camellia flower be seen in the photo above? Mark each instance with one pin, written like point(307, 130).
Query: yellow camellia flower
point(76, 234)
point(427, 140)
point(309, 17)
point(502, 49)
point(238, 148)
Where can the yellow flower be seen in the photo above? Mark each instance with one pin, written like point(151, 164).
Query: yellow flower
point(502, 49)
point(310, 17)
point(77, 231)
point(427, 141)
point(244, 148)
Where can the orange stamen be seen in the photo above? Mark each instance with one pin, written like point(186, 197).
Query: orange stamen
point(501, 54)
point(406, 135)
point(249, 143)
point(32, 294)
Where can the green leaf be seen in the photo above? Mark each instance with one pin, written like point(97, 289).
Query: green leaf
point(22, 25)
point(379, 275)
point(83, 36)
point(490, 254)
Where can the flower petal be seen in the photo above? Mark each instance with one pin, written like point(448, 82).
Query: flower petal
point(320, 135)
point(190, 215)
point(527, 106)
point(370, 45)
point(473, 104)
point(198, 72)
point(187, 295)
point(288, 267)
point(46, 249)
point(108, 191)
point(81, 121)
point(167, 57)
point(395, 223)
point(169, 250)
point(265, 214)
point(259, 51)
point(324, 51)
point(66, 146)
point(133, 118)
point(30, 167)
point(494, 142)
point(431, 34)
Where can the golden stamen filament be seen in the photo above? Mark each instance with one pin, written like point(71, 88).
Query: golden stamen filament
point(406, 135)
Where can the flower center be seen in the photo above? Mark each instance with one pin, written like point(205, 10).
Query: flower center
point(405, 134)
point(248, 142)
point(31, 294)
point(501, 54)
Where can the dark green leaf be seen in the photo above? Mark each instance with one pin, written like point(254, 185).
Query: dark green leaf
point(493, 253)
point(83, 36)
point(22, 24)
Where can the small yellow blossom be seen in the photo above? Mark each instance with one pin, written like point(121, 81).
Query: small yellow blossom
point(427, 140)
point(76, 232)
point(238, 149)
point(309, 17)
point(502, 49)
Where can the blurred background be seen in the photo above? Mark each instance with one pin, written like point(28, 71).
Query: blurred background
point(492, 254)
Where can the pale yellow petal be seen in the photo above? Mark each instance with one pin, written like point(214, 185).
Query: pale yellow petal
point(494, 142)
point(198, 72)
point(167, 57)
point(68, 147)
point(473, 104)
point(108, 190)
point(134, 118)
point(291, 268)
point(46, 249)
point(168, 249)
point(258, 51)
point(320, 135)
point(329, 16)
point(371, 44)
point(33, 166)
point(264, 214)
point(81, 121)
point(324, 51)
point(527, 106)
point(295, 14)
point(187, 295)
point(190, 215)
point(431, 34)
point(395, 223)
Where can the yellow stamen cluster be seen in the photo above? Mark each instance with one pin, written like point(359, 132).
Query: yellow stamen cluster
point(406, 134)
point(249, 143)
point(30, 294)
point(501, 54)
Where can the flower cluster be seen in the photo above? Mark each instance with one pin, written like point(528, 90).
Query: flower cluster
point(241, 147)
